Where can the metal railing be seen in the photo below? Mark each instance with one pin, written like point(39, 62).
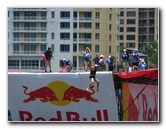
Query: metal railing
point(29, 18)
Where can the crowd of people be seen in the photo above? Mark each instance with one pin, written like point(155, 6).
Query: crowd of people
point(137, 63)
point(127, 60)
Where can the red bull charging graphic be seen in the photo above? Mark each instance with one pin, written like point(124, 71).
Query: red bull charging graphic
point(59, 93)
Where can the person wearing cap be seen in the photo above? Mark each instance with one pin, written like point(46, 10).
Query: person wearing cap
point(96, 60)
point(93, 78)
point(48, 55)
point(86, 55)
point(125, 60)
point(110, 62)
point(142, 65)
point(68, 64)
point(135, 60)
point(101, 66)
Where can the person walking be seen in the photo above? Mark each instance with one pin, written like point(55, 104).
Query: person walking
point(86, 55)
point(93, 78)
point(48, 55)
point(110, 62)
point(125, 60)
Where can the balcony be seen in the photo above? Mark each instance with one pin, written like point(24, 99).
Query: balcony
point(87, 40)
point(85, 18)
point(31, 40)
point(29, 29)
point(36, 53)
point(27, 18)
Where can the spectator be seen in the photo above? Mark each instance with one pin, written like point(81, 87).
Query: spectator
point(125, 60)
point(101, 66)
point(96, 61)
point(135, 60)
point(48, 55)
point(86, 55)
point(110, 62)
point(142, 65)
point(68, 65)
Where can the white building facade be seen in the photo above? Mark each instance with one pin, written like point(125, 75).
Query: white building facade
point(32, 30)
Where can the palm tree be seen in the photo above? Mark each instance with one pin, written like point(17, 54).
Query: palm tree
point(151, 50)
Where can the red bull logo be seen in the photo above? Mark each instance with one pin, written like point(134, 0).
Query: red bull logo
point(59, 93)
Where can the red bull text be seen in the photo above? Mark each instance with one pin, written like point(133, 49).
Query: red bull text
point(70, 116)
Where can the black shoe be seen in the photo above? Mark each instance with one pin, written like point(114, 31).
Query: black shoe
point(50, 71)
point(45, 70)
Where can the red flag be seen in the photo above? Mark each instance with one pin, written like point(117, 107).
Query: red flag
point(44, 58)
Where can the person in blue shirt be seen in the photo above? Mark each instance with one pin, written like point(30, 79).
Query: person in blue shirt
point(86, 55)
point(96, 61)
point(142, 65)
point(125, 60)
point(68, 65)
point(135, 60)
point(110, 62)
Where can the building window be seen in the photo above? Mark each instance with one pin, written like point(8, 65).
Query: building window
point(131, 14)
point(97, 36)
point(42, 64)
point(121, 13)
point(130, 29)
point(43, 36)
point(110, 16)
point(52, 35)
point(64, 48)
point(110, 26)
point(130, 21)
point(97, 15)
point(13, 64)
point(52, 47)
point(130, 37)
point(75, 25)
point(130, 45)
point(65, 36)
point(8, 13)
point(29, 64)
point(16, 36)
point(29, 49)
point(141, 45)
point(65, 25)
point(121, 29)
point(121, 21)
point(109, 49)
point(121, 37)
point(109, 37)
point(16, 49)
point(65, 15)
point(43, 48)
point(52, 14)
point(97, 26)
point(74, 47)
point(121, 44)
point(97, 48)
point(61, 64)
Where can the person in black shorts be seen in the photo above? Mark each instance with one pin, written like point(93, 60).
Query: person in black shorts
point(93, 78)
point(135, 60)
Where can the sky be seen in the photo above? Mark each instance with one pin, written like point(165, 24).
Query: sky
point(77, 3)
